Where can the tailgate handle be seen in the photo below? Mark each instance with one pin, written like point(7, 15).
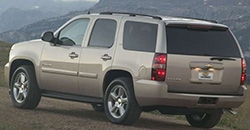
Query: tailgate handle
point(106, 57)
point(222, 58)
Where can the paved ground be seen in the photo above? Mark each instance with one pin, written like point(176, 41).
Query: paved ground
point(54, 114)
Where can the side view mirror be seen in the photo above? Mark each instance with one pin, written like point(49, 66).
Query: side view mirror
point(48, 36)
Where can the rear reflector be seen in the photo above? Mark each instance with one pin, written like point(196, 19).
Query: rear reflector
point(243, 71)
point(159, 67)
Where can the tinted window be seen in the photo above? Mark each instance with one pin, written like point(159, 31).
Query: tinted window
point(182, 40)
point(74, 32)
point(103, 34)
point(140, 36)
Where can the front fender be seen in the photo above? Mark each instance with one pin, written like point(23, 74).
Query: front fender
point(26, 51)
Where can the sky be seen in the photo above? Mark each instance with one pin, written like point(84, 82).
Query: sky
point(29, 4)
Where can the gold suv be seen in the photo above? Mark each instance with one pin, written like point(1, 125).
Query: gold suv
point(125, 63)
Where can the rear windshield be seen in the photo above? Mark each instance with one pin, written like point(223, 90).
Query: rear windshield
point(205, 42)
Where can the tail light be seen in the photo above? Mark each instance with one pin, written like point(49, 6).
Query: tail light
point(159, 67)
point(243, 71)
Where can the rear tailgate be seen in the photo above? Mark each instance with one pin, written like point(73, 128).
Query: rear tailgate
point(202, 59)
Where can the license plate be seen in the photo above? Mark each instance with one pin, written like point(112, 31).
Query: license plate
point(205, 75)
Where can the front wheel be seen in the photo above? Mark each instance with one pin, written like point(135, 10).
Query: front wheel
point(204, 120)
point(25, 93)
point(120, 104)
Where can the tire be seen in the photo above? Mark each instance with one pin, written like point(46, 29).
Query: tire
point(120, 104)
point(25, 93)
point(204, 120)
point(98, 107)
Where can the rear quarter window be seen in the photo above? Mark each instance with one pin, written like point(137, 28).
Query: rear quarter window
point(212, 42)
point(140, 36)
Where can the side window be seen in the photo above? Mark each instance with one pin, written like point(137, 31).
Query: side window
point(73, 33)
point(103, 33)
point(140, 36)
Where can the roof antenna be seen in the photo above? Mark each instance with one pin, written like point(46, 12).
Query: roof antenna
point(88, 12)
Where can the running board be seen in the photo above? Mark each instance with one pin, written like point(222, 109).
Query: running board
point(71, 97)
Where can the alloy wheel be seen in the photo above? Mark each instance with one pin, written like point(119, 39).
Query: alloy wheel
point(117, 101)
point(20, 88)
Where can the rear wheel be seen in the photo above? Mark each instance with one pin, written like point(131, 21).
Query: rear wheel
point(120, 104)
point(204, 120)
point(25, 93)
point(98, 107)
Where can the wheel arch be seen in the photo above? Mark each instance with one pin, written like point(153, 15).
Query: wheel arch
point(17, 63)
point(113, 74)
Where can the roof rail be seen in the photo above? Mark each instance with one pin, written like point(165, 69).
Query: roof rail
point(213, 21)
point(132, 14)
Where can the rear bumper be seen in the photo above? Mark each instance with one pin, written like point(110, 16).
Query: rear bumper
point(152, 93)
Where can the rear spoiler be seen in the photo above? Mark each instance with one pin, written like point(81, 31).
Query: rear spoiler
point(199, 27)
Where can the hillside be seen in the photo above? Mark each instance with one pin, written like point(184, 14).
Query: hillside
point(21, 17)
point(235, 14)
point(16, 14)
point(4, 56)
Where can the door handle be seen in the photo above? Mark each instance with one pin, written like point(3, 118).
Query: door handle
point(106, 57)
point(73, 55)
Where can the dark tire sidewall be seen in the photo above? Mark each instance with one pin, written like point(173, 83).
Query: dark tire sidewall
point(208, 121)
point(16, 73)
point(33, 93)
point(128, 90)
point(98, 107)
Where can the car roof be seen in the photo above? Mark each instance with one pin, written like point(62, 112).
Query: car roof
point(166, 19)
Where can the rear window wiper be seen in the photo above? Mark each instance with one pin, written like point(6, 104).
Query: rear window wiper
point(222, 58)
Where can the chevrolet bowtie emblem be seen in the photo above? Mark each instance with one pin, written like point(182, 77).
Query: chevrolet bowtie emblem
point(209, 66)
point(205, 73)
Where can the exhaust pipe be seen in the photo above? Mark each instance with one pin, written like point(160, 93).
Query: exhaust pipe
point(231, 111)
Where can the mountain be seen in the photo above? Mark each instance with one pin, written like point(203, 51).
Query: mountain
point(34, 30)
point(14, 18)
point(4, 57)
point(56, 6)
point(235, 14)
point(16, 14)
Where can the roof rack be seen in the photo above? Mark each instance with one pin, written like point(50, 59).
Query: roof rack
point(213, 21)
point(132, 14)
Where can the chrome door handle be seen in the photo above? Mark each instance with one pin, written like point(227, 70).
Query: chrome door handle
point(106, 57)
point(73, 55)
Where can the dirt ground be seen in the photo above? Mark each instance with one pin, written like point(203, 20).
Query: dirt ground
point(52, 114)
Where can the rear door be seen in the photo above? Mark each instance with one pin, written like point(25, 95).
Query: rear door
point(98, 54)
point(202, 59)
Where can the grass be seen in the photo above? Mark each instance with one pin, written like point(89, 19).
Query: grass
point(7, 127)
point(239, 121)
point(13, 126)
point(4, 56)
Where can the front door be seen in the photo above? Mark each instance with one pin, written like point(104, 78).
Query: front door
point(59, 63)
